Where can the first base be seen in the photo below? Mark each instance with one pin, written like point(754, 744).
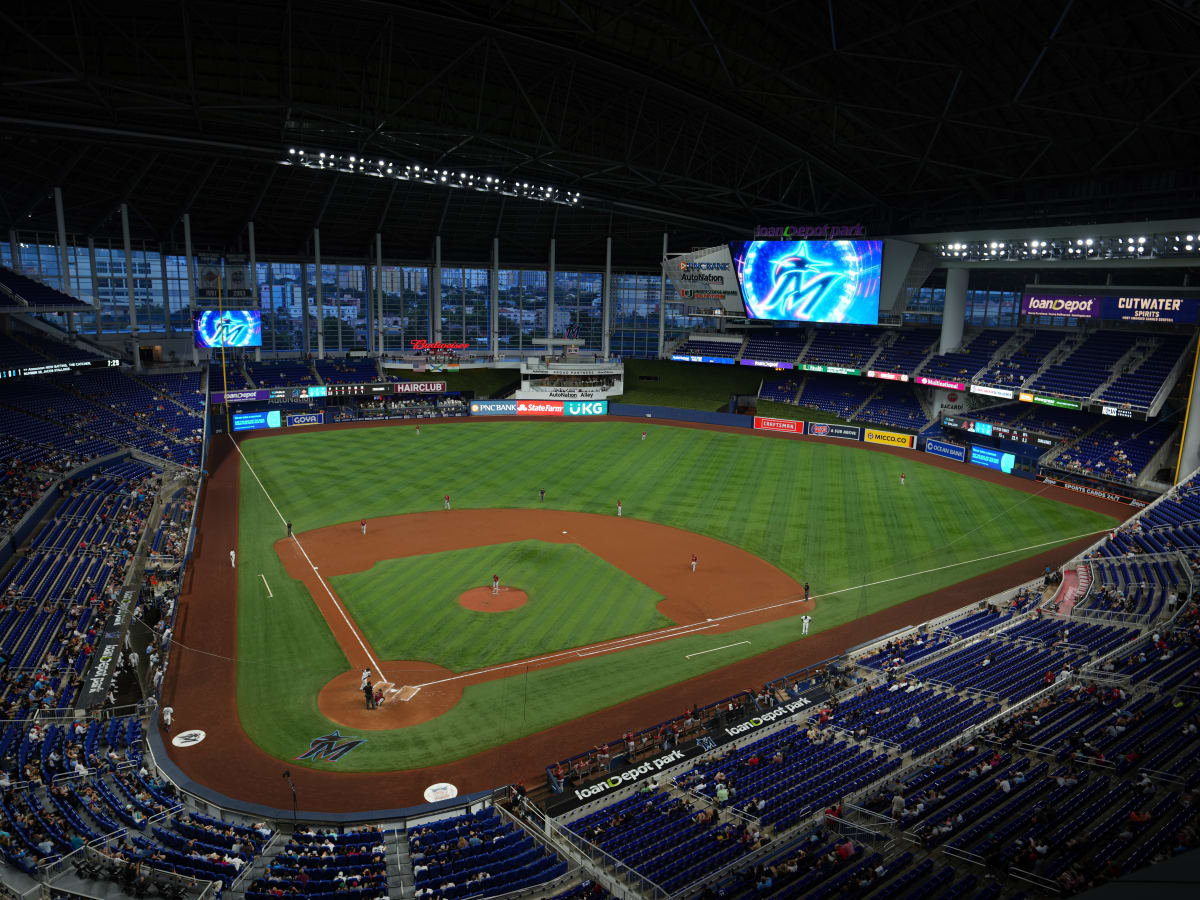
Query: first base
point(408, 692)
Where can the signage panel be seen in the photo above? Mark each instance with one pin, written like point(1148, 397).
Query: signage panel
point(887, 376)
point(719, 360)
point(888, 438)
point(941, 382)
point(946, 450)
point(767, 364)
point(988, 390)
point(990, 458)
point(787, 426)
point(824, 429)
point(305, 419)
point(254, 420)
point(829, 370)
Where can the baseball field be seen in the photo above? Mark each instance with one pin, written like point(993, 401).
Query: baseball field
point(609, 609)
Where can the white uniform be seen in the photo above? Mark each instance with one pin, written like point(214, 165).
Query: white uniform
point(618, 509)
point(804, 620)
point(167, 713)
point(233, 558)
point(366, 676)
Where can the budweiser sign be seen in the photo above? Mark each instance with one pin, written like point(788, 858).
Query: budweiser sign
point(422, 344)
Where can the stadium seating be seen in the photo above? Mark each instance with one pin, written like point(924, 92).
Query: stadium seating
point(1019, 366)
point(1139, 386)
point(1117, 451)
point(781, 390)
point(281, 373)
point(847, 347)
point(835, 394)
point(325, 862)
point(34, 293)
point(965, 364)
point(1088, 366)
point(895, 405)
point(701, 347)
point(775, 346)
point(908, 351)
point(347, 371)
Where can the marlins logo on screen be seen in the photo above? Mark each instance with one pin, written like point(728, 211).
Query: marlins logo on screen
point(810, 281)
point(231, 328)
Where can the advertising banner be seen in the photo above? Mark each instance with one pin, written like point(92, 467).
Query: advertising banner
point(941, 382)
point(1056, 402)
point(890, 438)
point(767, 364)
point(1130, 308)
point(887, 376)
point(1092, 491)
point(254, 420)
point(829, 370)
point(719, 360)
point(789, 426)
point(585, 408)
point(992, 459)
point(822, 429)
point(103, 663)
point(705, 279)
point(420, 387)
point(945, 450)
point(239, 396)
point(493, 407)
point(539, 407)
point(727, 733)
point(305, 419)
point(1119, 411)
point(988, 390)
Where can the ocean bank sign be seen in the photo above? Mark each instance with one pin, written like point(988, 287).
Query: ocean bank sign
point(945, 450)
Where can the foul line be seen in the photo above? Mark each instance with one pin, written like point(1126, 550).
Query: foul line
point(679, 630)
point(354, 631)
point(268, 587)
point(715, 649)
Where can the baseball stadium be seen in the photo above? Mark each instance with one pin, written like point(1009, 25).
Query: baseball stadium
point(648, 450)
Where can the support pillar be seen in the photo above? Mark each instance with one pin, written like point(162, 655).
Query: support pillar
point(191, 278)
point(379, 293)
point(954, 312)
point(304, 308)
point(550, 298)
point(64, 253)
point(662, 299)
point(254, 286)
point(494, 300)
point(1189, 448)
point(133, 322)
point(320, 297)
point(606, 301)
point(166, 296)
point(14, 247)
point(96, 287)
point(369, 299)
point(435, 291)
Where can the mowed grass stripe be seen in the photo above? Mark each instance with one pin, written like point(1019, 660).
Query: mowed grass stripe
point(829, 513)
point(575, 599)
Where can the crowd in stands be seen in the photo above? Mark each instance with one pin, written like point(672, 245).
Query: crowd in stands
point(320, 861)
point(965, 363)
point(355, 370)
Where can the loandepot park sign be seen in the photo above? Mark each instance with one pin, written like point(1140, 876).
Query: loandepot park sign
point(705, 279)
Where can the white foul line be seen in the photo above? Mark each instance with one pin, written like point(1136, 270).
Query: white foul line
point(715, 649)
point(267, 586)
point(336, 603)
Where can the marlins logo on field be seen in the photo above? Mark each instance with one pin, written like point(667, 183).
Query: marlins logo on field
point(327, 747)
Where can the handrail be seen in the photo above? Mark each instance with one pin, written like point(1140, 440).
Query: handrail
point(1045, 884)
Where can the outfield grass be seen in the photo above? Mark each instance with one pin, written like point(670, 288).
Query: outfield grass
point(830, 514)
point(408, 608)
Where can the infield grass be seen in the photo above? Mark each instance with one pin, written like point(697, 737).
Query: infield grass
point(835, 516)
point(408, 607)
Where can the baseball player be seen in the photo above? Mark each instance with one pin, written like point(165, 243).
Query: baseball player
point(902, 479)
point(643, 435)
point(541, 495)
point(167, 714)
point(363, 523)
point(495, 584)
point(366, 677)
point(806, 590)
point(694, 561)
point(804, 620)
point(233, 555)
point(446, 501)
point(418, 431)
point(618, 513)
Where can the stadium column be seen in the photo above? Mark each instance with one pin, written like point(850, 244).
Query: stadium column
point(64, 254)
point(14, 248)
point(369, 279)
point(550, 296)
point(133, 322)
point(954, 311)
point(96, 291)
point(605, 300)
point(379, 293)
point(319, 298)
point(662, 299)
point(494, 300)
point(435, 291)
point(1189, 448)
point(191, 278)
point(254, 281)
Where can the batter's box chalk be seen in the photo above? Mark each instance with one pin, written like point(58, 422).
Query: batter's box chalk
point(408, 692)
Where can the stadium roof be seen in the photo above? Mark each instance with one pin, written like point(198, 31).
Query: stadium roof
point(706, 118)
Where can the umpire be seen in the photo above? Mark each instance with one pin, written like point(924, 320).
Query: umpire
point(369, 692)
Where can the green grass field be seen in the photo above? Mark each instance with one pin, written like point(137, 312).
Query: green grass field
point(831, 514)
point(408, 607)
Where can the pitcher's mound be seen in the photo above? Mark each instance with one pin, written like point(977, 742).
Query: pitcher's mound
point(481, 599)
point(343, 702)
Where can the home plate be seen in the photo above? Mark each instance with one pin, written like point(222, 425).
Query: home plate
point(408, 692)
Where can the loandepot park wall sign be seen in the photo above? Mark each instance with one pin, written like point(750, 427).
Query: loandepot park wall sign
point(826, 231)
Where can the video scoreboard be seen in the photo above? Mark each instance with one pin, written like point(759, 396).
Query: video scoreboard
point(58, 368)
point(1003, 432)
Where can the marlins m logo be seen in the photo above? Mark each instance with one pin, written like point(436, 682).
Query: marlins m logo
point(327, 747)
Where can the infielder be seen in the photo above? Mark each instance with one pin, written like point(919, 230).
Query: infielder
point(694, 561)
point(363, 523)
point(233, 557)
point(618, 513)
point(804, 620)
point(446, 501)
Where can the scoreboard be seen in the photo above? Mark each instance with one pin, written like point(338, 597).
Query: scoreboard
point(313, 391)
point(1003, 432)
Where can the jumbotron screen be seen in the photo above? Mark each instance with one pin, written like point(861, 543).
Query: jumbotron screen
point(228, 328)
point(810, 281)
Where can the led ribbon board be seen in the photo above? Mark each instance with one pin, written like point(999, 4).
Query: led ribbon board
point(810, 281)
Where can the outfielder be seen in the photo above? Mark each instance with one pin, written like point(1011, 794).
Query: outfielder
point(618, 512)
point(446, 501)
point(233, 558)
